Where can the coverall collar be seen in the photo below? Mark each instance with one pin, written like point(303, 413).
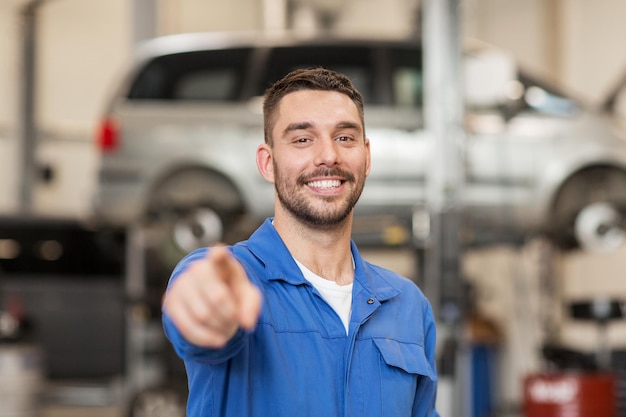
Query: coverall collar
point(266, 244)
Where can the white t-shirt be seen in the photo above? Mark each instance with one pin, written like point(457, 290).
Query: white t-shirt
point(339, 297)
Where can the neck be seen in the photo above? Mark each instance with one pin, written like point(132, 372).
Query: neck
point(325, 251)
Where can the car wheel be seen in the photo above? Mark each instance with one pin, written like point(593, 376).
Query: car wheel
point(158, 402)
point(190, 210)
point(599, 226)
point(198, 227)
point(589, 212)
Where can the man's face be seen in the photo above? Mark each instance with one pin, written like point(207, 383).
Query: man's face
point(319, 159)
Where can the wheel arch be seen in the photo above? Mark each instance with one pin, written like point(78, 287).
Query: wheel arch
point(573, 194)
point(572, 177)
point(235, 198)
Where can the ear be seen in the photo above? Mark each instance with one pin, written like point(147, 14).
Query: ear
point(369, 156)
point(264, 162)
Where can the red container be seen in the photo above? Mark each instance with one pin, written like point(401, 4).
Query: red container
point(570, 395)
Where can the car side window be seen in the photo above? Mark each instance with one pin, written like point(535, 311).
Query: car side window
point(407, 81)
point(213, 75)
point(212, 84)
point(354, 61)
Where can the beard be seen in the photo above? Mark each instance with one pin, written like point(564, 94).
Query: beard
point(322, 211)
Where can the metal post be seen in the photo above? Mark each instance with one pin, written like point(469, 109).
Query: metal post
point(143, 335)
point(28, 129)
point(274, 15)
point(443, 118)
point(443, 115)
point(144, 20)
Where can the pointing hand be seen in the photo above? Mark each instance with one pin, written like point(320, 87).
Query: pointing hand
point(211, 299)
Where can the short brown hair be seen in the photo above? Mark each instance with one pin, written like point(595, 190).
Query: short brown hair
point(321, 79)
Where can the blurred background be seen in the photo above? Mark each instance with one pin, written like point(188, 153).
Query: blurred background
point(530, 328)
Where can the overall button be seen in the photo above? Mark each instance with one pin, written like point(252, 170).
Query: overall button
point(370, 301)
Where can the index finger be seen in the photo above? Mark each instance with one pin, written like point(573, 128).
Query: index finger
point(247, 295)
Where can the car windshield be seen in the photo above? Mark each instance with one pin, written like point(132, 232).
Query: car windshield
point(543, 98)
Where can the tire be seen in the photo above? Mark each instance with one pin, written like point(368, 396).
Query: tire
point(190, 210)
point(590, 211)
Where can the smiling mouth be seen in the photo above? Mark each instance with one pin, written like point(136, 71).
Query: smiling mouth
point(324, 184)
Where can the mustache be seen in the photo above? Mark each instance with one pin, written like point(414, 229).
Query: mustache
point(326, 172)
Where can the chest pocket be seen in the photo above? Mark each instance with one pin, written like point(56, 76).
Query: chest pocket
point(408, 357)
point(402, 368)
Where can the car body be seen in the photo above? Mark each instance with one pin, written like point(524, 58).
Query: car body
point(179, 136)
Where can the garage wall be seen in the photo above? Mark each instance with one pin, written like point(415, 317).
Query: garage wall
point(201, 15)
point(83, 46)
point(594, 57)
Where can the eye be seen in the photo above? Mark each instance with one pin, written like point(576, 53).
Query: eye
point(344, 139)
point(299, 140)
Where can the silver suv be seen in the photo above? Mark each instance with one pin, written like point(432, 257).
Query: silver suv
point(179, 136)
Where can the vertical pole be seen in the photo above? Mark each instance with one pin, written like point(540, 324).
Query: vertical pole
point(134, 290)
point(554, 33)
point(274, 15)
point(443, 119)
point(144, 336)
point(144, 18)
point(28, 130)
point(443, 115)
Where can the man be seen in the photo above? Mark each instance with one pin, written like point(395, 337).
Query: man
point(293, 322)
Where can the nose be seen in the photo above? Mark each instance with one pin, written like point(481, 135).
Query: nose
point(327, 152)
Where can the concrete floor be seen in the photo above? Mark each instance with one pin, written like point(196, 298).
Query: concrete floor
point(78, 411)
point(76, 399)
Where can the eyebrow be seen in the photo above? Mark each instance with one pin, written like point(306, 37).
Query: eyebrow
point(307, 125)
point(297, 126)
point(349, 125)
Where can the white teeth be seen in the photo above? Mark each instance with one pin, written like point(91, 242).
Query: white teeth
point(324, 184)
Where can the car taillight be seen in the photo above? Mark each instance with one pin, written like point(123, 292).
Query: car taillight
point(108, 135)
